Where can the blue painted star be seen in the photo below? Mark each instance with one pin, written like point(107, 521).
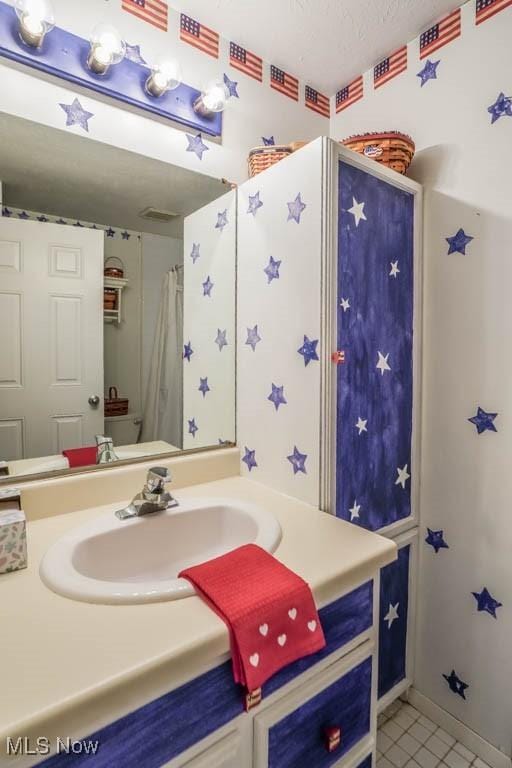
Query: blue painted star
point(221, 340)
point(277, 396)
point(268, 141)
point(436, 540)
point(272, 270)
point(231, 85)
point(222, 219)
point(295, 209)
point(133, 54)
point(308, 350)
point(207, 287)
point(77, 224)
point(203, 386)
point(456, 684)
point(250, 459)
point(485, 602)
point(188, 351)
point(6, 212)
point(502, 107)
point(42, 219)
point(298, 461)
point(192, 427)
point(110, 232)
point(23, 215)
point(61, 221)
point(196, 145)
point(254, 203)
point(429, 71)
point(253, 337)
point(483, 421)
point(77, 115)
point(458, 242)
point(125, 235)
point(194, 254)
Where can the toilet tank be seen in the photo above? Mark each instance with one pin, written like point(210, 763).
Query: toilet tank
point(124, 430)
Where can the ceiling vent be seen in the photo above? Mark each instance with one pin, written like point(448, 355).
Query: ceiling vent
point(154, 214)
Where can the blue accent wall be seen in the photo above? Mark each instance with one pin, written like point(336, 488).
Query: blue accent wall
point(394, 588)
point(380, 319)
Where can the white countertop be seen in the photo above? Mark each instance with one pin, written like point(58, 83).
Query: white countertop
point(58, 656)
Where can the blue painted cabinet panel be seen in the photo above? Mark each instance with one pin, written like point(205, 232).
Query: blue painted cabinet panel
point(374, 325)
point(296, 740)
point(394, 594)
point(367, 762)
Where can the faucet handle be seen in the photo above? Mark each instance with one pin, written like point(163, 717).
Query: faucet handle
point(157, 479)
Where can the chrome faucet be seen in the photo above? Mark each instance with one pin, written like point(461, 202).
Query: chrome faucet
point(105, 453)
point(152, 498)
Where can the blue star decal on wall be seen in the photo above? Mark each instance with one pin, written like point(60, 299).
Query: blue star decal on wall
point(78, 224)
point(268, 141)
point(485, 602)
point(77, 115)
point(221, 340)
point(295, 209)
point(203, 386)
point(483, 421)
point(231, 85)
point(207, 287)
point(253, 337)
point(194, 254)
point(429, 71)
point(308, 350)
point(23, 215)
point(502, 107)
point(298, 461)
point(61, 221)
point(6, 212)
point(125, 235)
point(250, 459)
point(222, 219)
point(436, 540)
point(42, 219)
point(110, 232)
point(458, 242)
point(456, 684)
point(272, 270)
point(188, 351)
point(133, 54)
point(277, 396)
point(254, 203)
point(196, 145)
point(192, 427)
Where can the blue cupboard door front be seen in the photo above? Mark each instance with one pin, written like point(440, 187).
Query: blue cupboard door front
point(374, 399)
point(393, 620)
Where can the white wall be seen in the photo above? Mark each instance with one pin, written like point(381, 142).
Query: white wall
point(465, 163)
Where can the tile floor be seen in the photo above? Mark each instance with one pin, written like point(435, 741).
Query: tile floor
point(408, 739)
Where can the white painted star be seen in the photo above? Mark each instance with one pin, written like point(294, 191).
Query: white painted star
point(392, 614)
point(361, 425)
point(394, 269)
point(403, 476)
point(354, 512)
point(345, 304)
point(382, 363)
point(357, 211)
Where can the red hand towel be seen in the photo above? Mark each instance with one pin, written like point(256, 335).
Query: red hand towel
point(269, 610)
point(80, 457)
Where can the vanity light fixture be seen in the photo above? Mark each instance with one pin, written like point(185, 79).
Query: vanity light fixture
point(107, 48)
point(165, 76)
point(212, 99)
point(36, 19)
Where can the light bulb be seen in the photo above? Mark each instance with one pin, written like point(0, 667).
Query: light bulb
point(107, 48)
point(36, 19)
point(213, 98)
point(165, 76)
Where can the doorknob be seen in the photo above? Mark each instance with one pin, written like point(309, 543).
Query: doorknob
point(94, 401)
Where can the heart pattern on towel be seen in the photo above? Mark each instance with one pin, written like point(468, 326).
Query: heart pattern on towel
point(312, 625)
point(264, 630)
point(292, 613)
point(254, 660)
point(281, 640)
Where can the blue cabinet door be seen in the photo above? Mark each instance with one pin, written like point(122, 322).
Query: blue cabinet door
point(375, 330)
point(393, 615)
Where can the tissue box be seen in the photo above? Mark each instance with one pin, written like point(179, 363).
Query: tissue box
point(13, 540)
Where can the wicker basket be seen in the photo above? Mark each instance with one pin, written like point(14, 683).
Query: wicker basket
point(110, 269)
point(115, 405)
point(393, 149)
point(109, 298)
point(261, 158)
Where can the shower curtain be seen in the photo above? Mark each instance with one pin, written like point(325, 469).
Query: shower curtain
point(162, 417)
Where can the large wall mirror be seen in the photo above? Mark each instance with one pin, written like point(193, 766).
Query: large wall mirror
point(117, 304)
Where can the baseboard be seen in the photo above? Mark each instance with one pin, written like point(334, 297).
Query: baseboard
point(485, 751)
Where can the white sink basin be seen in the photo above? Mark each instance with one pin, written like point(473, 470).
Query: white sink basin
point(138, 560)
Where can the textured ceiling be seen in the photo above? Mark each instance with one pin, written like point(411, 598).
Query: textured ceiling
point(324, 42)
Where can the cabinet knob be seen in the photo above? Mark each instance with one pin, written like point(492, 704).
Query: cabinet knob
point(332, 737)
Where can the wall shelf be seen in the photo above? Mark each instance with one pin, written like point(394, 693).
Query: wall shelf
point(118, 284)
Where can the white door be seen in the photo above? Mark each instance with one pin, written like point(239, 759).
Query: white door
point(51, 338)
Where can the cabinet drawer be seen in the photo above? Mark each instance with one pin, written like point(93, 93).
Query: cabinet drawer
point(290, 734)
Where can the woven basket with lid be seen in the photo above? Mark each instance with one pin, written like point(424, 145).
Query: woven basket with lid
point(392, 148)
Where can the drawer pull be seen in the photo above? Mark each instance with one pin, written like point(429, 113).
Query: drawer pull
point(332, 738)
